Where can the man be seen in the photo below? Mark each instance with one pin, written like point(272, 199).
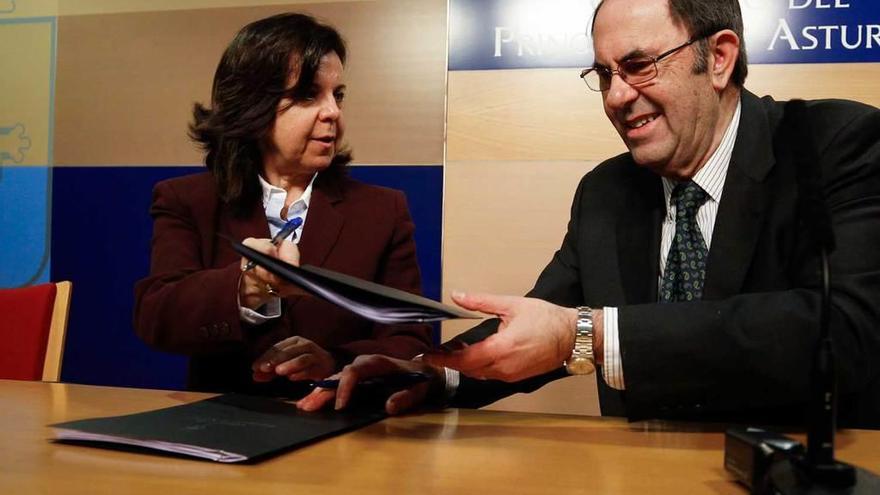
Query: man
point(690, 256)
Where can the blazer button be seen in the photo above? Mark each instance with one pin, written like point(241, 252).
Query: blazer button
point(204, 331)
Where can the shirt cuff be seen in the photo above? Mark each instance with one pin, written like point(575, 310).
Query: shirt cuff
point(266, 312)
point(612, 370)
point(451, 379)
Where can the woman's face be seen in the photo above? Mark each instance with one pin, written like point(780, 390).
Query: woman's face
point(307, 132)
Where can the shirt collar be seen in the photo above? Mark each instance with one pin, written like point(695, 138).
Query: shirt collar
point(274, 197)
point(712, 175)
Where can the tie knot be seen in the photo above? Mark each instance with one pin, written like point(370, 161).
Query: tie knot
point(688, 197)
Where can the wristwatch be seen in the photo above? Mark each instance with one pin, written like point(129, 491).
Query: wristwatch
point(581, 361)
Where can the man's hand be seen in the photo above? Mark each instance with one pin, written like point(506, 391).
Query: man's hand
point(297, 358)
point(534, 337)
point(372, 366)
point(257, 285)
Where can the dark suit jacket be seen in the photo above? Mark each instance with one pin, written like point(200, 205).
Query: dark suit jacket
point(744, 351)
point(189, 304)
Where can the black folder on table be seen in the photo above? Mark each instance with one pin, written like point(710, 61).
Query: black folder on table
point(225, 428)
point(368, 299)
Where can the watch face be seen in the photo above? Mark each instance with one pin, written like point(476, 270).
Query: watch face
point(580, 366)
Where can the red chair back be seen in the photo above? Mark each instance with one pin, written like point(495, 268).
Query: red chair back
point(25, 320)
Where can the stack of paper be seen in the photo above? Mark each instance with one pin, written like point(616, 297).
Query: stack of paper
point(371, 300)
point(226, 428)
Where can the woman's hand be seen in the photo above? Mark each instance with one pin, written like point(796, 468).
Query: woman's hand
point(373, 366)
point(257, 285)
point(297, 358)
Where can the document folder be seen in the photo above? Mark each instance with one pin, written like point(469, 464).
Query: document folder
point(370, 300)
point(226, 428)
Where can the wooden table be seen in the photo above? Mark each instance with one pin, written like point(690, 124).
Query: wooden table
point(453, 451)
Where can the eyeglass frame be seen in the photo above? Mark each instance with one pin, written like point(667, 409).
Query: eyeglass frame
point(617, 71)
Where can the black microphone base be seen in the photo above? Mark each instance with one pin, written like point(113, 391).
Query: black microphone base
point(792, 477)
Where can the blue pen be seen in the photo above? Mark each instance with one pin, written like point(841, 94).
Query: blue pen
point(289, 228)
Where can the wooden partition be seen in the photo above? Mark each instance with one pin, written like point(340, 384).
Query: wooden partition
point(109, 85)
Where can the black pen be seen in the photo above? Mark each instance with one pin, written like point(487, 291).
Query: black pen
point(396, 382)
point(289, 228)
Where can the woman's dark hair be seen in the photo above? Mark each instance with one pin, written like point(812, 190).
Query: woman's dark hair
point(250, 81)
point(705, 18)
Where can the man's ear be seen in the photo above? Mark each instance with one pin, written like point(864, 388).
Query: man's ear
point(723, 52)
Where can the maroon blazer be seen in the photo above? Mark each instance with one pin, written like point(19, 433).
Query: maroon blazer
point(189, 302)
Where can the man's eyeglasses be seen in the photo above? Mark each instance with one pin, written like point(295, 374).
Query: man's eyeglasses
point(633, 71)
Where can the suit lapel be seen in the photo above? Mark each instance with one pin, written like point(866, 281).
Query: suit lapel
point(253, 224)
point(318, 236)
point(323, 223)
point(240, 227)
point(638, 238)
point(743, 203)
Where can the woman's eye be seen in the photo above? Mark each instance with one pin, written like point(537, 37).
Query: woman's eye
point(340, 97)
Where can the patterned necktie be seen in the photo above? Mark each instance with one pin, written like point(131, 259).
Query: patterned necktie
point(686, 263)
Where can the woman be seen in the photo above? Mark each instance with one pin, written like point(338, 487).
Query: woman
point(272, 139)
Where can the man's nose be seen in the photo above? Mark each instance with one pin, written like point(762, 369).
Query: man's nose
point(619, 93)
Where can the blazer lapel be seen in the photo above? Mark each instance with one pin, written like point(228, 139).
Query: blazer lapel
point(254, 224)
point(240, 227)
point(323, 223)
point(743, 203)
point(638, 238)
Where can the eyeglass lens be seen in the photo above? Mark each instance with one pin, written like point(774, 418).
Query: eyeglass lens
point(633, 71)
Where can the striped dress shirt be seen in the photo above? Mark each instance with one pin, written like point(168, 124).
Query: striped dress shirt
point(711, 178)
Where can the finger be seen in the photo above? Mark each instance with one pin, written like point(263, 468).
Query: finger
point(251, 277)
point(476, 356)
point(283, 287)
point(296, 365)
point(404, 400)
point(289, 252)
point(485, 303)
point(362, 368)
point(317, 399)
point(263, 276)
point(261, 280)
point(264, 363)
point(260, 376)
point(312, 373)
point(280, 352)
point(286, 251)
point(262, 245)
point(348, 379)
point(252, 243)
point(251, 291)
